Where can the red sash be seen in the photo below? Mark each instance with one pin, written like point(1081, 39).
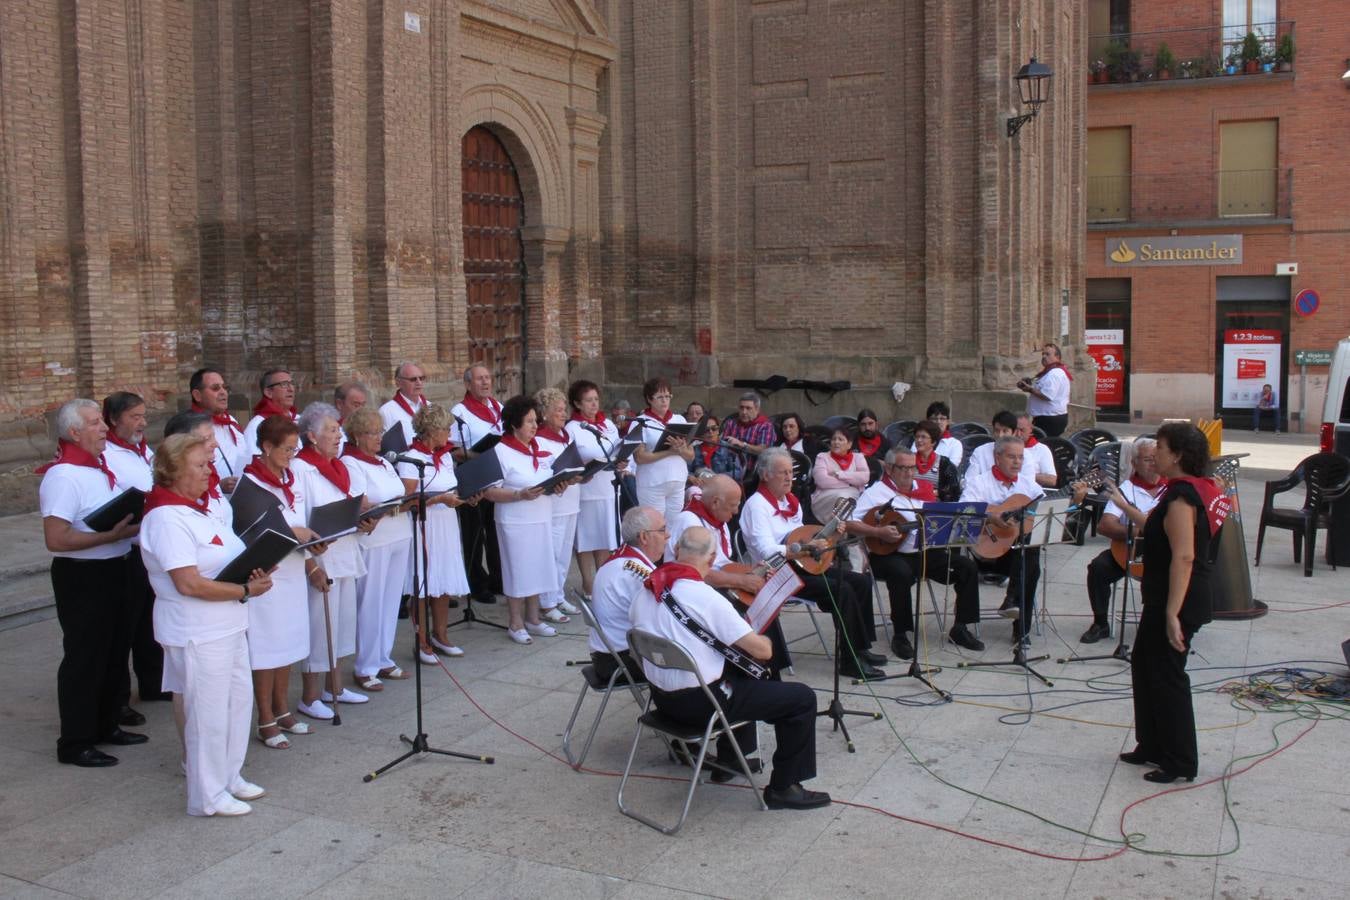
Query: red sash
point(663, 420)
point(268, 407)
point(1059, 365)
point(1000, 477)
point(665, 576)
point(598, 421)
point(627, 552)
point(869, 445)
point(932, 461)
point(258, 469)
point(792, 502)
point(558, 437)
point(436, 455)
point(350, 449)
point(75, 455)
point(224, 419)
point(407, 407)
point(697, 508)
point(331, 469)
point(142, 449)
point(532, 451)
point(490, 412)
point(162, 496)
point(845, 462)
point(1216, 502)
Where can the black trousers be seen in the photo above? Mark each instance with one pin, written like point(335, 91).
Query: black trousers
point(848, 597)
point(1024, 571)
point(1102, 572)
point(605, 666)
point(1053, 426)
point(901, 571)
point(91, 605)
point(790, 707)
point(147, 656)
point(478, 537)
point(1164, 719)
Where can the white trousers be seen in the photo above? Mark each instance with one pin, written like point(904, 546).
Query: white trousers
point(377, 596)
point(666, 496)
point(218, 702)
point(564, 538)
point(342, 612)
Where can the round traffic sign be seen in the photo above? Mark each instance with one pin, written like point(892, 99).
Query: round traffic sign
point(1306, 302)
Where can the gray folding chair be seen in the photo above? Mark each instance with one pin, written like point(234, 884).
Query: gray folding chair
point(667, 654)
point(591, 681)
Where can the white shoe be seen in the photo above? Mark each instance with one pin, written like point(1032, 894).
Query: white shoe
point(229, 806)
point(315, 710)
point(347, 696)
point(555, 614)
point(520, 637)
point(569, 608)
point(246, 790)
point(447, 649)
point(542, 629)
point(425, 658)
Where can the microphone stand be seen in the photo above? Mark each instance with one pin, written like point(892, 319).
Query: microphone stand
point(836, 710)
point(419, 743)
point(1122, 651)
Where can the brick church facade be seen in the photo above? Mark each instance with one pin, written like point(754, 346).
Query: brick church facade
point(706, 189)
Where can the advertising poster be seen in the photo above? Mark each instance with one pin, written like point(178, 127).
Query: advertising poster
point(1106, 346)
point(1251, 358)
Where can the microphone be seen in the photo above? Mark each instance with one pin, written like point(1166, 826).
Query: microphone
point(794, 548)
point(599, 435)
point(458, 419)
point(393, 457)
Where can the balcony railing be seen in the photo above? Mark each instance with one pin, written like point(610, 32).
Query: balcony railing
point(1247, 194)
point(1182, 53)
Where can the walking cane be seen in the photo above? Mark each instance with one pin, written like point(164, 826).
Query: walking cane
point(332, 661)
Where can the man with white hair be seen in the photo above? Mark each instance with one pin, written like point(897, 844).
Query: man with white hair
point(789, 707)
point(408, 400)
point(478, 415)
point(618, 581)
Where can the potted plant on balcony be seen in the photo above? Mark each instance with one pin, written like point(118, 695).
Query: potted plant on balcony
point(1251, 54)
point(1097, 71)
point(1284, 54)
point(1233, 62)
point(1164, 62)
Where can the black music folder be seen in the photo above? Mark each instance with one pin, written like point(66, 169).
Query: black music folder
point(394, 440)
point(333, 520)
point(487, 443)
point(270, 548)
point(250, 501)
point(479, 474)
point(130, 502)
point(677, 430)
point(559, 476)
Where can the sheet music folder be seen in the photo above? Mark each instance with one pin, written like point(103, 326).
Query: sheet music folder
point(130, 502)
point(479, 474)
point(951, 524)
point(333, 520)
point(394, 440)
point(270, 548)
point(250, 502)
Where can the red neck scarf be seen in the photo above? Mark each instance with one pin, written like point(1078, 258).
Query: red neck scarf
point(212, 488)
point(697, 508)
point(436, 455)
point(919, 490)
point(925, 468)
point(532, 451)
point(225, 420)
point(490, 412)
point(142, 449)
point(1000, 477)
point(1216, 502)
point(355, 452)
point(406, 406)
point(845, 462)
point(1031, 441)
point(869, 445)
point(258, 469)
point(662, 419)
point(1059, 365)
point(665, 576)
point(557, 437)
point(75, 455)
point(627, 552)
point(331, 469)
point(598, 421)
point(162, 496)
point(709, 450)
point(793, 504)
point(758, 420)
point(269, 407)
point(946, 433)
point(1151, 489)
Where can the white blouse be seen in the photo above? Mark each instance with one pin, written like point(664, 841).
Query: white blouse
point(175, 537)
point(519, 473)
point(569, 501)
point(671, 468)
point(592, 447)
point(382, 483)
point(342, 559)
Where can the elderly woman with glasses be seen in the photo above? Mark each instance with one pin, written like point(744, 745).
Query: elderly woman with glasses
point(596, 438)
point(662, 473)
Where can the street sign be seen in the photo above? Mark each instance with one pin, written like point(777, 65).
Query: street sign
point(1307, 303)
point(1312, 357)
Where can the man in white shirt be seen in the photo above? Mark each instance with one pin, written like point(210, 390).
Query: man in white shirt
point(1005, 480)
point(211, 395)
point(408, 400)
point(618, 581)
point(982, 457)
point(1038, 461)
point(790, 708)
point(1142, 490)
point(1048, 392)
point(478, 415)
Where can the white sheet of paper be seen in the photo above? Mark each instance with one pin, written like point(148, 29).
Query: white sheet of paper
point(776, 591)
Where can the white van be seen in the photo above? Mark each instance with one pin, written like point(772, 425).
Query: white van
point(1336, 412)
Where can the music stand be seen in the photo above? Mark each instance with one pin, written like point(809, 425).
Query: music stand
point(1020, 659)
point(1122, 651)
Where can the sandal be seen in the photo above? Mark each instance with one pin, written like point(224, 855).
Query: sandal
point(394, 674)
point(295, 727)
point(369, 682)
point(277, 741)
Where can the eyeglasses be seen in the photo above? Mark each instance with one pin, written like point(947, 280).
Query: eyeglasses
point(900, 468)
point(662, 530)
point(290, 451)
point(940, 418)
point(281, 384)
point(412, 378)
point(661, 396)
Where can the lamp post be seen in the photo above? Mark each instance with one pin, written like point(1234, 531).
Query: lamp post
point(1033, 87)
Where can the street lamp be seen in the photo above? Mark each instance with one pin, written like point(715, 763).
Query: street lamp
point(1033, 86)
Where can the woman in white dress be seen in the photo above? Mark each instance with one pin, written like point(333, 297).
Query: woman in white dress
point(201, 624)
point(661, 474)
point(324, 479)
point(596, 438)
point(278, 627)
point(386, 545)
point(445, 575)
point(524, 521)
point(554, 438)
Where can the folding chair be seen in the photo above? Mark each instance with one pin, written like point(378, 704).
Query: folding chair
point(591, 682)
point(667, 654)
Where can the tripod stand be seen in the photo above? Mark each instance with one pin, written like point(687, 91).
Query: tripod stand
point(419, 744)
point(468, 617)
point(836, 709)
point(915, 670)
point(1122, 651)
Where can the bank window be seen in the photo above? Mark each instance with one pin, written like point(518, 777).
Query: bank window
point(1108, 173)
point(1248, 177)
point(1242, 16)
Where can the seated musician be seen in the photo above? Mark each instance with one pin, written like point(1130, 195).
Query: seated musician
point(1141, 490)
point(789, 707)
point(1006, 479)
point(982, 457)
point(901, 568)
point(618, 581)
point(768, 517)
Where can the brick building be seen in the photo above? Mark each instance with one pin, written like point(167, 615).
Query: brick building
point(609, 188)
point(1243, 169)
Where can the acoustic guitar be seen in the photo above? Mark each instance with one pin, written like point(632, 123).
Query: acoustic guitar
point(880, 517)
point(761, 569)
point(1120, 553)
point(817, 562)
point(1002, 529)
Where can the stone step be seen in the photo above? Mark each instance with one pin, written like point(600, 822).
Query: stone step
point(25, 598)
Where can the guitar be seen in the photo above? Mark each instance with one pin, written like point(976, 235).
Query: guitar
point(1120, 553)
point(880, 517)
point(1001, 529)
point(761, 569)
point(815, 562)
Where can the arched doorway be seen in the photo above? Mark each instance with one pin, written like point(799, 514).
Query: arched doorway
point(494, 259)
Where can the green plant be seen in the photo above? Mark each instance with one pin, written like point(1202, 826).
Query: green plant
point(1251, 48)
point(1164, 60)
point(1285, 52)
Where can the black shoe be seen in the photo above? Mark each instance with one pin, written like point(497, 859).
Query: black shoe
point(724, 772)
point(88, 758)
point(1010, 609)
point(1158, 776)
point(485, 597)
point(159, 696)
point(993, 578)
point(1094, 634)
point(403, 606)
point(120, 738)
point(875, 659)
point(1136, 757)
point(962, 637)
point(794, 796)
point(849, 670)
point(901, 647)
point(129, 716)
